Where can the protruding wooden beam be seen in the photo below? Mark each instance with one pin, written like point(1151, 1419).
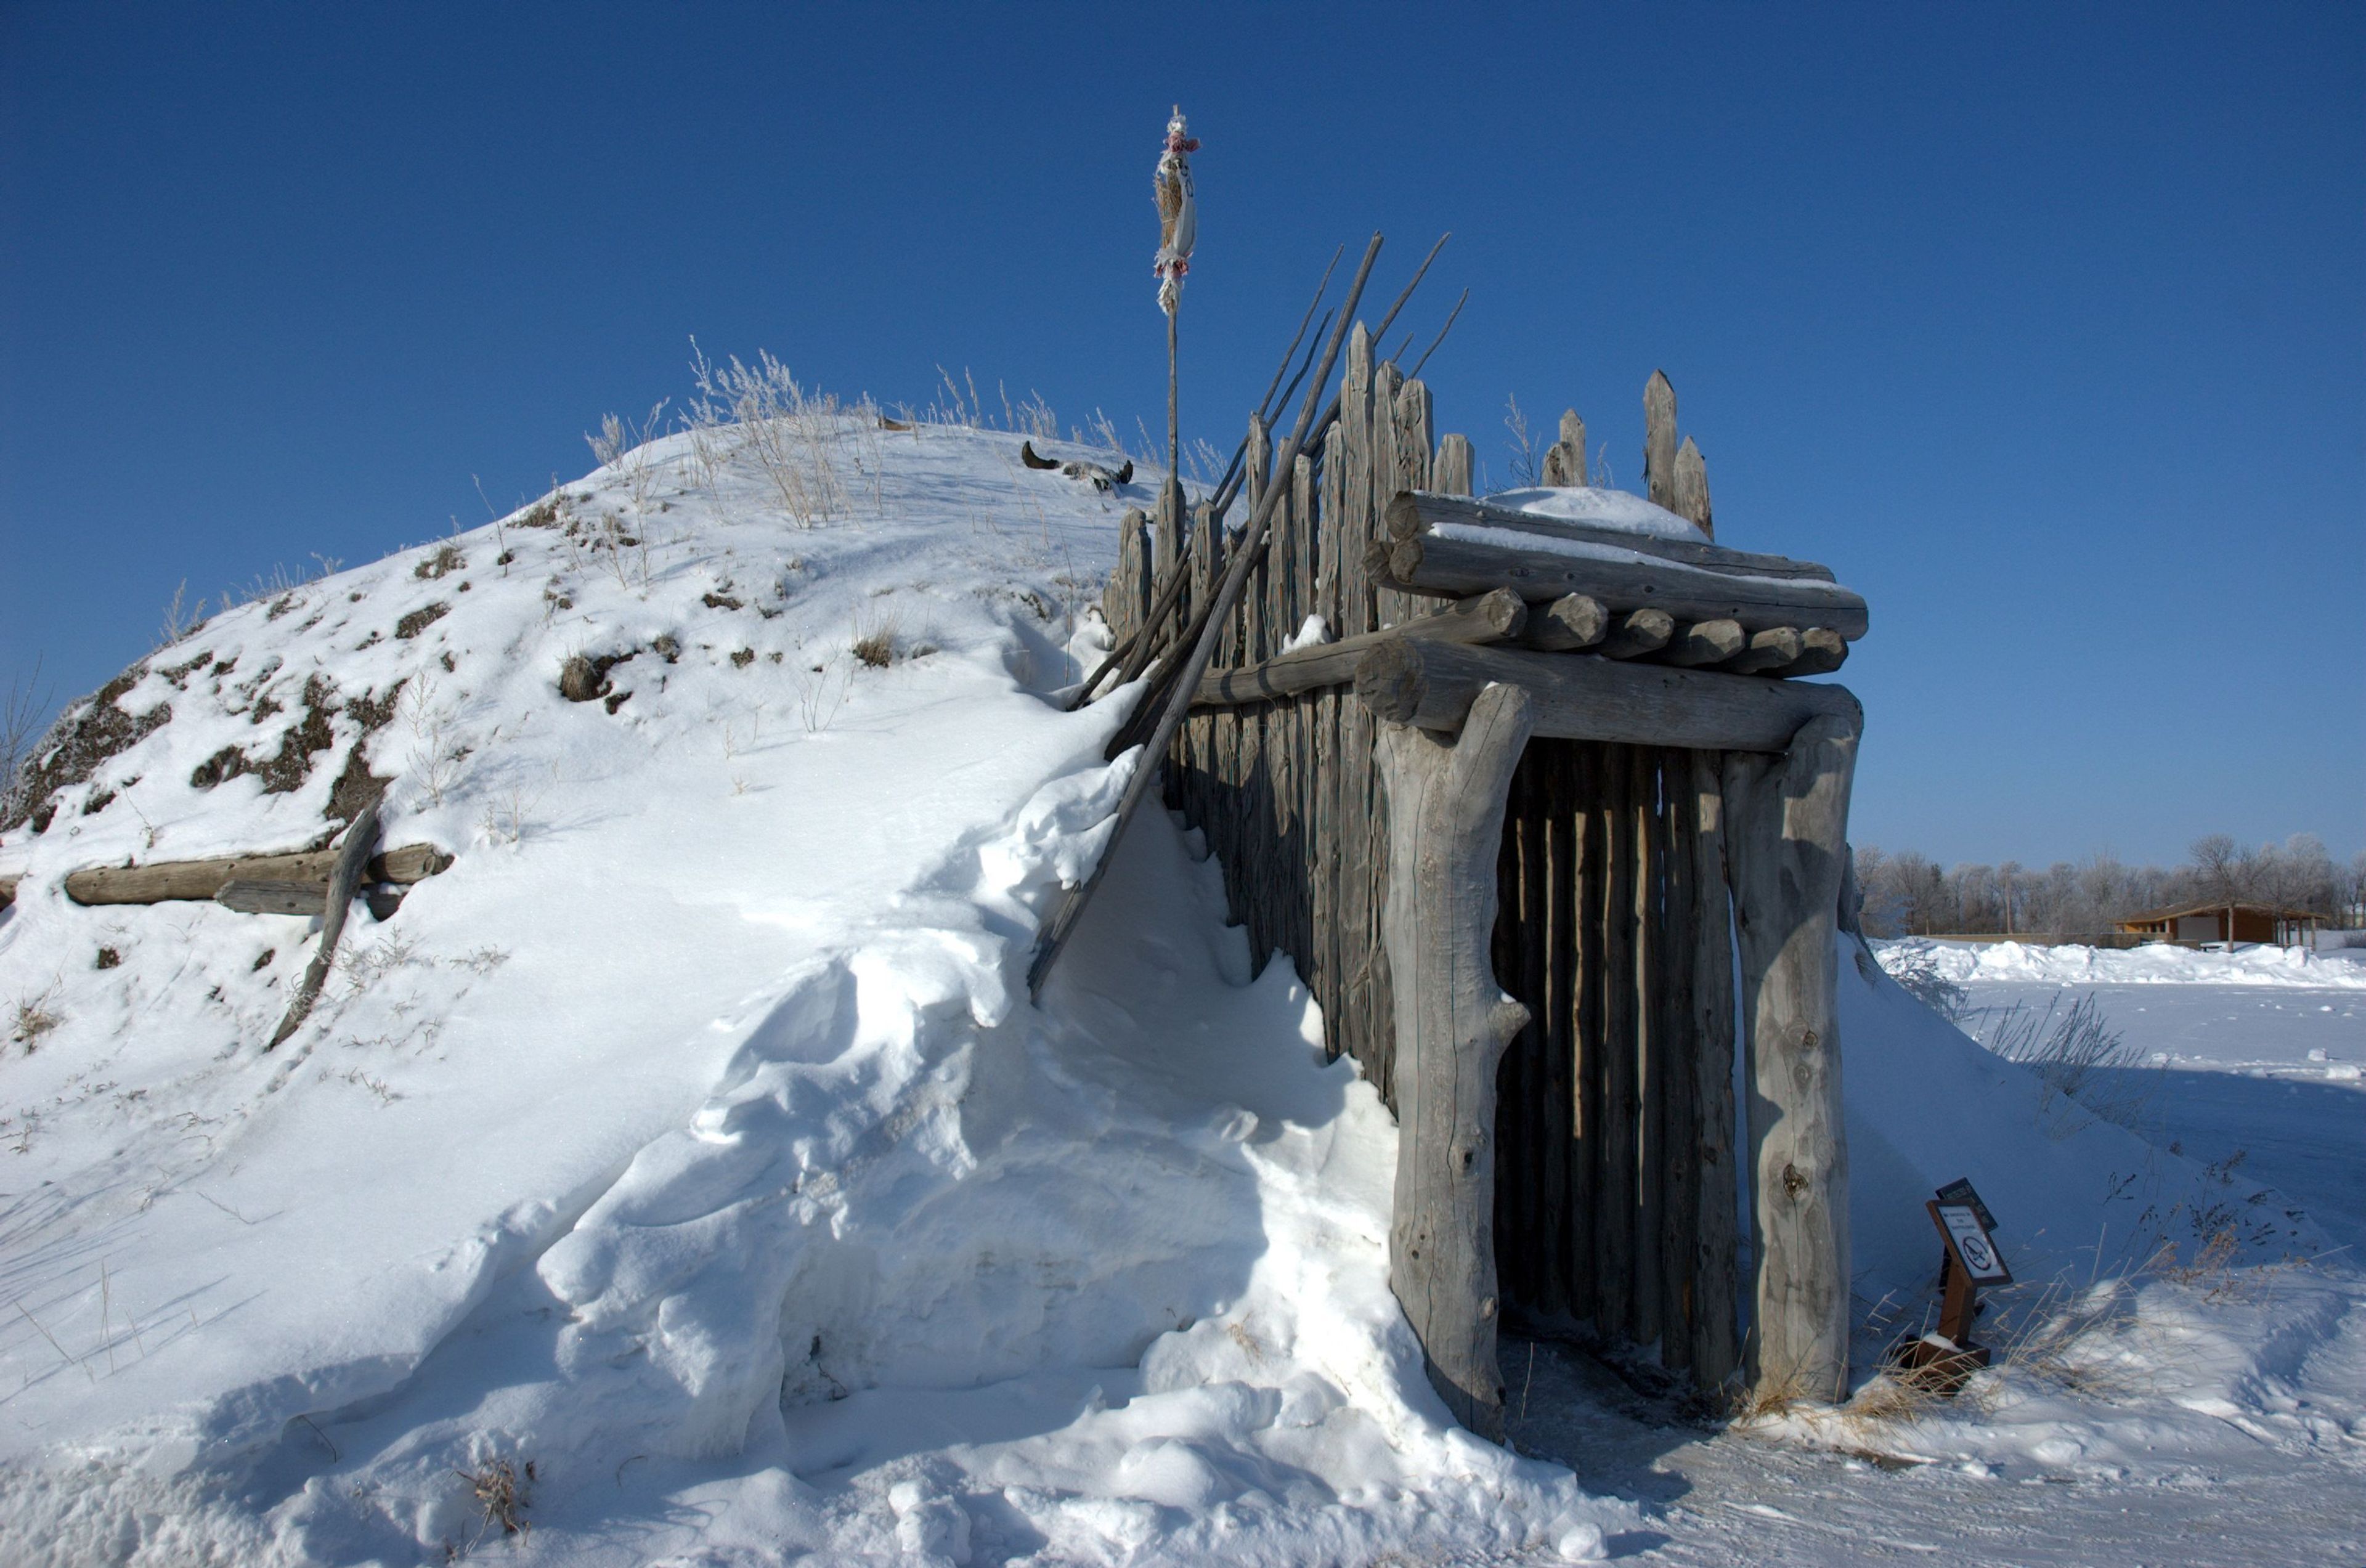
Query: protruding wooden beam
point(1786, 831)
point(1496, 617)
point(1637, 632)
point(1431, 685)
point(1565, 459)
point(1705, 642)
point(1418, 512)
point(1660, 440)
point(1569, 623)
point(1472, 561)
point(1452, 1018)
point(1772, 648)
point(1692, 488)
point(1820, 653)
point(201, 879)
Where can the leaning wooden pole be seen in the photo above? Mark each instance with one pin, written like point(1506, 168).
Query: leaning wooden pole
point(344, 880)
point(1453, 1022)
point(1786, 842)
point(1187, 681)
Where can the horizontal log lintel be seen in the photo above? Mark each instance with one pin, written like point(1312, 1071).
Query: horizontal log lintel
point(1581, 697)
point(1494, 616)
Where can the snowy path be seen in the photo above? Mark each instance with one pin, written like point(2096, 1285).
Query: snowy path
point(2266, 1071)
point(1724, 1501)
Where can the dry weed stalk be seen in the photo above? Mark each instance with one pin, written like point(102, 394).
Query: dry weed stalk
point(874, 638)
point(502, 1495)
point(788, 432)
point(35, 1016)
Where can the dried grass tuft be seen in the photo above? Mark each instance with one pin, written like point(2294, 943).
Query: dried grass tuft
point(501, 1492)
point(35, 1016)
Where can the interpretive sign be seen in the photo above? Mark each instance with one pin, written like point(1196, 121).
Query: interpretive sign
point(1969, 1242)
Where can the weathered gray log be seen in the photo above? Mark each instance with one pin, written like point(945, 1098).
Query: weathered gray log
point(1418, 512)
point(1489, 617)
point(259, 897)
point(1674, 1060)
point(1612, 1136)
point(1820, 653)
point(1692, 488)
point(1637, 632)
point(1787, 828)
point(1450, 475)
point(1453, 1022)
point(201, 879)
point(1715, 1353)
point(1455, 566)
point(1580, 698)
point(1569, 623)
point(1565, 459)
point(344, 880)
point(1769, 649)
point(1660, 440)
point(1707, 642)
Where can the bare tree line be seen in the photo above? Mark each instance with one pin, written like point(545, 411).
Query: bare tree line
point(1907, 894)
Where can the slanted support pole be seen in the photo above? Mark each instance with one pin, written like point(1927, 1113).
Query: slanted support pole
point(1787, 828)
point(1445, 799)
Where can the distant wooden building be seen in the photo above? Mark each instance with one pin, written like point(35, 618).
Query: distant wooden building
point(2194, 925)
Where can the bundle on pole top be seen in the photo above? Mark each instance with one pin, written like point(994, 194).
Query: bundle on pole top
point(1178, 217)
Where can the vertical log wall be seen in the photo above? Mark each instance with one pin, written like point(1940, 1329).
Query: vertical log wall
point(1614, 1197)
point(1615, 1207)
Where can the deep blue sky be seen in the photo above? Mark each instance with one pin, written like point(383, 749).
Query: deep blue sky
point(2045, 326)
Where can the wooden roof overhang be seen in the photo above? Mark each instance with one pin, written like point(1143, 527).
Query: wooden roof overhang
point(1614, 636)
point(2216, 907)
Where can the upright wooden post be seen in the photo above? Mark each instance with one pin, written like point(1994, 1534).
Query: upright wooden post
point(1714, 1354)
point(1786, 841)
point(1450, 475)
point(1650, 1048)
point(1660, 440)
point(1690, 484)
point(1453, 1022)
point(1614, 1144)
point(1565, 459)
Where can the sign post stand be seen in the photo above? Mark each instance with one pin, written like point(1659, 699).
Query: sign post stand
point(1944, 1360)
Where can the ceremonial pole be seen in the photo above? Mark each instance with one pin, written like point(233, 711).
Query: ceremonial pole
point(1179, 225)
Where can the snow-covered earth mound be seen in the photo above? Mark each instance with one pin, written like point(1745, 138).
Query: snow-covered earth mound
point(684, 1174)
point(691, 1139)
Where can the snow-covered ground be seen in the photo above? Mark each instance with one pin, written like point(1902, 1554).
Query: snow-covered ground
point(689, 1155)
